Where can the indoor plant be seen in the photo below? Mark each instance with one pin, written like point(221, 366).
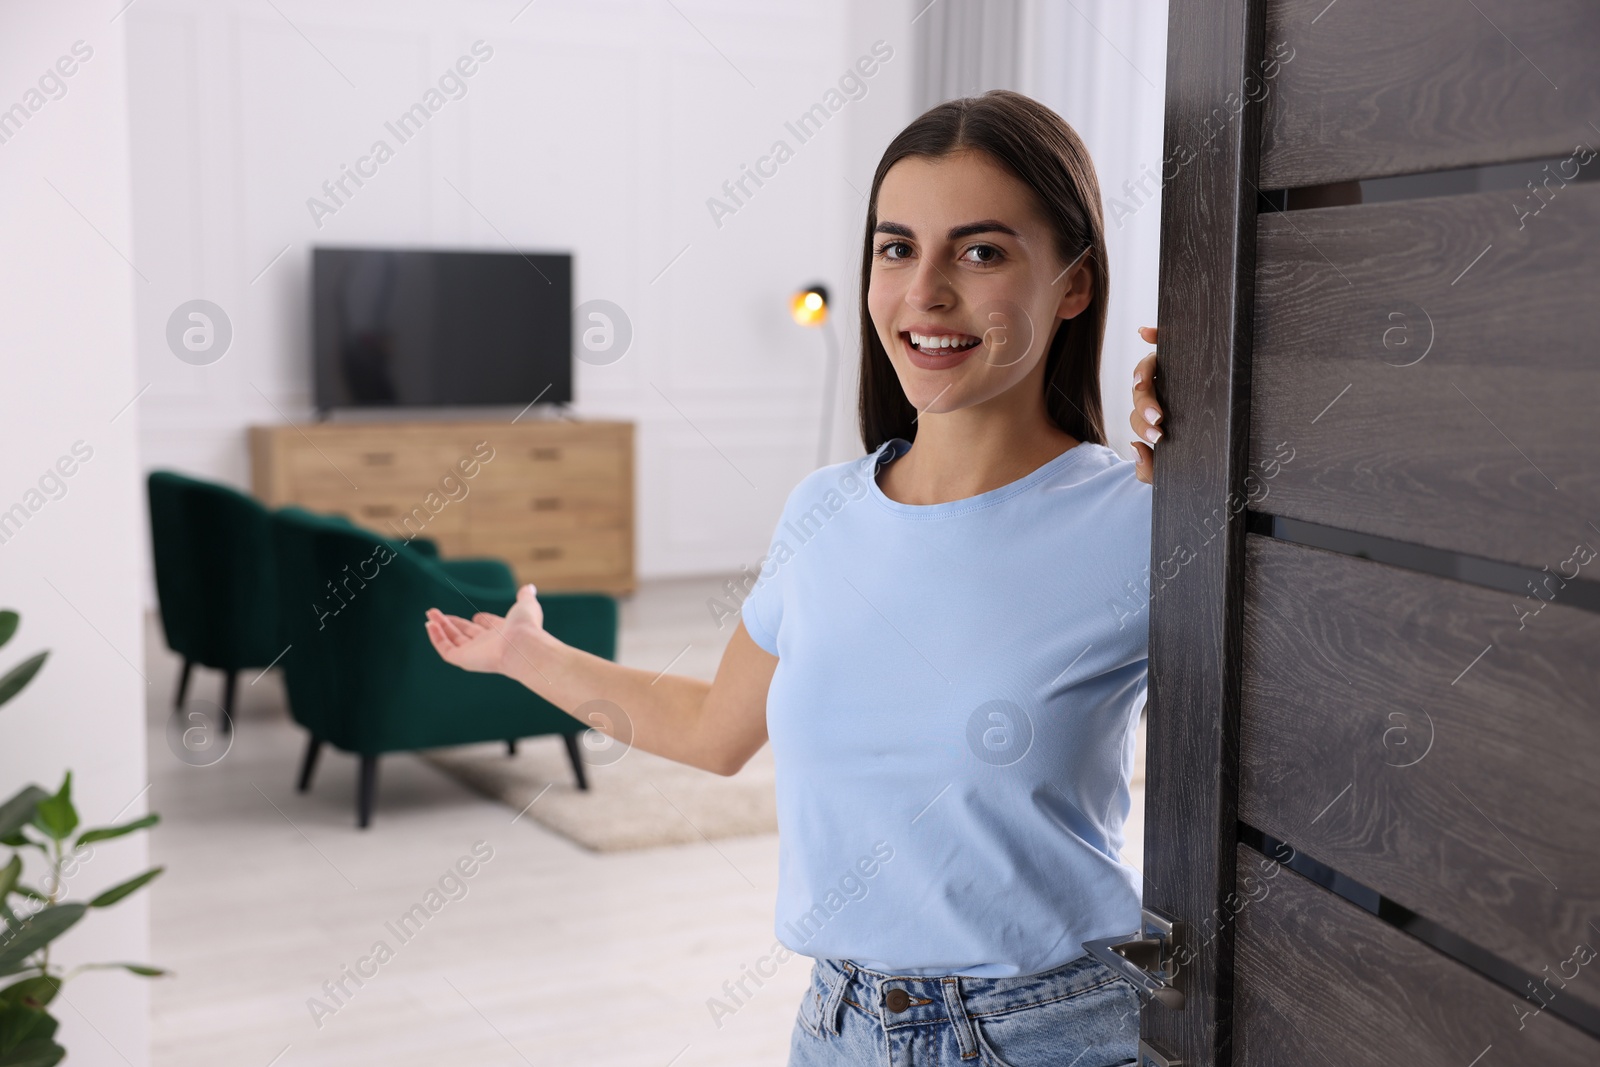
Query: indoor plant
point(33, 918)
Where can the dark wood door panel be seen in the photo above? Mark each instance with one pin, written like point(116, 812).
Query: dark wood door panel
point(1207, 265)
point(1317, 980)
point(1405, 731)
point(1434, 368)
point(1382, 87)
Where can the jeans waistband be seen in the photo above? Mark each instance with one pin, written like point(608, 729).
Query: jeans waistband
point(931, 998)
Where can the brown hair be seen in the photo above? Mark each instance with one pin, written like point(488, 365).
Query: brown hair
point(1047, 155)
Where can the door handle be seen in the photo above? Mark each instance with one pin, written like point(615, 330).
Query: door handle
point(1147, 957)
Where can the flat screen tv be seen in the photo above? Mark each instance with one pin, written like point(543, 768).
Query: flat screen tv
point(415, 328)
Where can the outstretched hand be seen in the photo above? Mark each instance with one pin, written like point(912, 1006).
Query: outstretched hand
point(483, 642)
point(1146, 416)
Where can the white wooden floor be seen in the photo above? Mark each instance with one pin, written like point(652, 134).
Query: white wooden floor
point(553, 955)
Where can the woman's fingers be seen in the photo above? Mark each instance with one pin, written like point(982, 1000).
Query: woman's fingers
point(1144, 372)
point(441, 643)
point(455, 629)
point(462, 643)
point(1146, 415)
point(437, 630)
point(439, 621)
point(1145, 404)
point(1144, 462)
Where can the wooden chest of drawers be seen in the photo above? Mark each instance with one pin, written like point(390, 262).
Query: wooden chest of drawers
point(552, 499)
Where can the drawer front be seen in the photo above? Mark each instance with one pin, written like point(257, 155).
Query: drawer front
point(539, 557)
point(572, 462)
point(358, 464)
point(548, 508)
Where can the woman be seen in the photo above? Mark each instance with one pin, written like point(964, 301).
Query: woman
point(947, 643)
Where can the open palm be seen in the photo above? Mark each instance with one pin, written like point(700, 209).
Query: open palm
point(482, 642)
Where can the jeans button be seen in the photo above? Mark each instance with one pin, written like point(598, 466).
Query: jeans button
point(897, 1000)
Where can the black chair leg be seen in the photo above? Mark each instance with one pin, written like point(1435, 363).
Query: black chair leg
point(366, 788)
point(577, 760)
point(511, 746)
point(183, 682)
point(229, 687)
point(309, 764)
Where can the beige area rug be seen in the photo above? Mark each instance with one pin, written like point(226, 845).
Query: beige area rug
point(640, 801)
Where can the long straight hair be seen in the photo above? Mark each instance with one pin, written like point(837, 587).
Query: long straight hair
point(1047, 155)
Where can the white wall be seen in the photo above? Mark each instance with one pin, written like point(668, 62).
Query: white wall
point(599, 127)
point(73, 567)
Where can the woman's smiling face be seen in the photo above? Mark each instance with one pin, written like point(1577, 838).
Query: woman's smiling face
point(967, 286)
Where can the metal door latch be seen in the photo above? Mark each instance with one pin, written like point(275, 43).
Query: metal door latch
point(1150, 1056)
point(1147, 957)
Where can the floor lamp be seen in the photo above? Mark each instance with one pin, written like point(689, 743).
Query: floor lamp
point(809, 307)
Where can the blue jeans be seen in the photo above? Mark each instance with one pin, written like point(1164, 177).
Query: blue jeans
point(1081, 1014)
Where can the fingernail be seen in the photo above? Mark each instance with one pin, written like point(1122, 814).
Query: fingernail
point(1152, 415)
point(1152, 435)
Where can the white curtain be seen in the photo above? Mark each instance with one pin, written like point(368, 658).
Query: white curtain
point(964, 47)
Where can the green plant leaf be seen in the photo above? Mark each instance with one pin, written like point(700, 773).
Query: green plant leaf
point(136, 968)
point(108, 832)
point(37, 931)
point(20, 675)
point(40, 990)
point(55, 815)
point(45, 1030)
point(39, 1032)
point(17, 1021)
point(8, 882)
point(8, 624)
point(35, 1052)
point(30, 892)
point(117, 892)
point(17, 813)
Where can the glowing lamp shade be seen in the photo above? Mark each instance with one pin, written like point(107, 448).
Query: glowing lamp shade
point(809, 306)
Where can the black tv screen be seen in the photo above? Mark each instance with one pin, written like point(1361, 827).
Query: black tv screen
point(413, 328)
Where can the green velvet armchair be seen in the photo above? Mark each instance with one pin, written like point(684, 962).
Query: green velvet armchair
point(361, 672)
point(214, 578)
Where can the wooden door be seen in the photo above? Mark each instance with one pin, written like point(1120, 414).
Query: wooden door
point(1373, 803)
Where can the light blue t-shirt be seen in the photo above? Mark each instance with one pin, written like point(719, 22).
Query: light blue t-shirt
point(953, 714)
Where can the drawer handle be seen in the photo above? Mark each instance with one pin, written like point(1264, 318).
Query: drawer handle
point(545, 453)
point(378, 459)
point(546, 503)
point(552, 552)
